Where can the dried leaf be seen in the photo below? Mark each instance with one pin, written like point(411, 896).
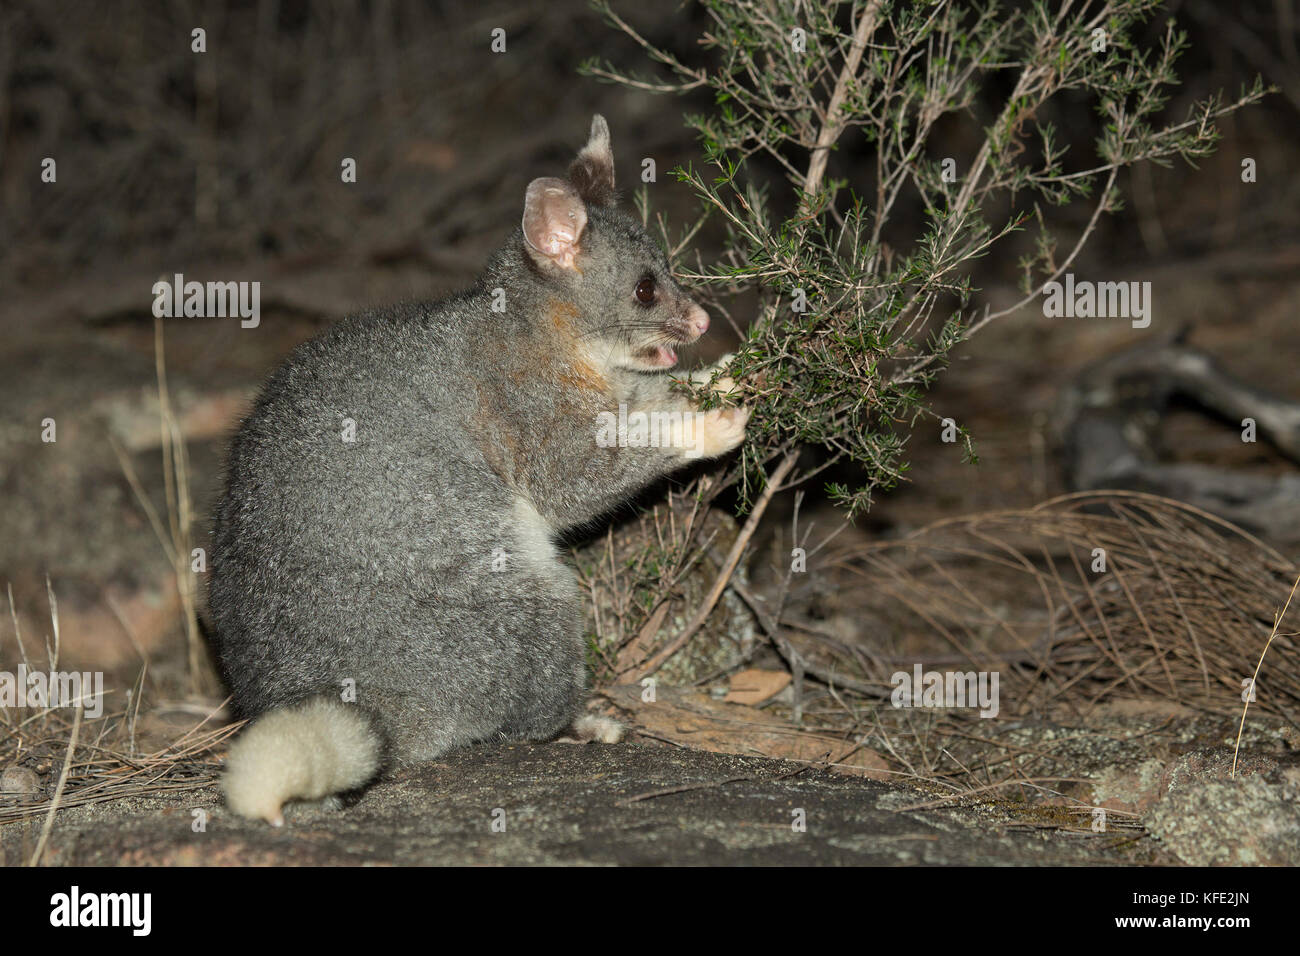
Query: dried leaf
point(754, 686)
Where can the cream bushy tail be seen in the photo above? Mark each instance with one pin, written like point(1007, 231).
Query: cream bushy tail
point(307, 751)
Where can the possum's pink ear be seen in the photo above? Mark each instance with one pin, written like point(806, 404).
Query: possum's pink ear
point(554, 217)
point(592, 173)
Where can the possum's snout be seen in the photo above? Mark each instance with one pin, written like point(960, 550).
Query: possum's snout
point(689, 325)
point(682, 329)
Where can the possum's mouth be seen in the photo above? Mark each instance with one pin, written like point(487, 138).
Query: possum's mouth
point(658, 356)
point(681, 330)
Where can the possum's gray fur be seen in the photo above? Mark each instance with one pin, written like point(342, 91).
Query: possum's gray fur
point(412, 568)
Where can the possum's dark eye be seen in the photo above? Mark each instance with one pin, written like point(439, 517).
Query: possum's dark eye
point(645, 290)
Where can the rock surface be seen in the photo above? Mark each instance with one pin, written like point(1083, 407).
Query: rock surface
point(564, 804)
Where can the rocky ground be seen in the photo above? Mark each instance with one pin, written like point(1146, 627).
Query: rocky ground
point(565, 804)
point(1149, 786)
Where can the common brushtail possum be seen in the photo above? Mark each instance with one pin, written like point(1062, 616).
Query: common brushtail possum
point(384, 580)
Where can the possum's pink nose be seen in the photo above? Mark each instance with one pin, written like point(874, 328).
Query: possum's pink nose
point(698, 320)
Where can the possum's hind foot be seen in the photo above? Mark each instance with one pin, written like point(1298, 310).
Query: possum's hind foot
point(331, 804)
point(605, 730)
point(593, 727)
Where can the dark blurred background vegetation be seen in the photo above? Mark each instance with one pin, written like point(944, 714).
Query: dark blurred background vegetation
point(167, 157)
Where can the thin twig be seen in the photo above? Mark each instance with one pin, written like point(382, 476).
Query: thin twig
point(1255, 677)
point(58, 790)
point(728, 568)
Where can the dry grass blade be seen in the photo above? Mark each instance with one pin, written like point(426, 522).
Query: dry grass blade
point(58, 790)
point(100, 764)
point(1083, 606)
point(1167, 601)
point(1236, 750)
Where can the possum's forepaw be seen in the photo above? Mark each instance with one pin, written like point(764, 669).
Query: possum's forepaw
point(589, 727)
point(724, 385)
point(720, 430)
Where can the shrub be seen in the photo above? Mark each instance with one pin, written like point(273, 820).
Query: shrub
point(855, 315)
